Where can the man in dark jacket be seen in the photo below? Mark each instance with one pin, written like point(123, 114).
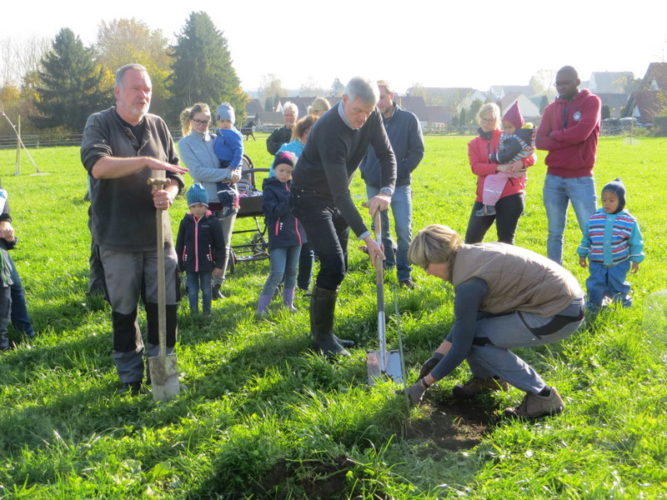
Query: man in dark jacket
point(322, 201)
point(569, 130)
point(120, 147)
point(283, 135)
point(405, 136)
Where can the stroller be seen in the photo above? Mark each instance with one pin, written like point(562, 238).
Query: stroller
point(250, 199)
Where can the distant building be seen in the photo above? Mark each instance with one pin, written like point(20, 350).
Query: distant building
point(651, 99)
point(610, 82)
point(500, 92)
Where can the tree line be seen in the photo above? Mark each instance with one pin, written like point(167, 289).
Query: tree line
point(67, 81)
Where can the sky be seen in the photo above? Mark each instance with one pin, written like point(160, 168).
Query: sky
point(432, 43)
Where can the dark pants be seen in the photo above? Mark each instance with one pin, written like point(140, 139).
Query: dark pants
point(5, 307)
point(19, 314)
point(328, 235)
point(305, 266)
point(508, 211)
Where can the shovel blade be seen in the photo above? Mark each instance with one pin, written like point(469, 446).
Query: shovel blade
point(164, 377)
point(393, 367)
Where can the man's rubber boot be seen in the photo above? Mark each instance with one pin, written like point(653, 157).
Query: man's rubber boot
point(322, 308)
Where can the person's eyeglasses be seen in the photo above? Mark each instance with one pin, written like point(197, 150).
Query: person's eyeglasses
point(488, 120)
point(201, 122)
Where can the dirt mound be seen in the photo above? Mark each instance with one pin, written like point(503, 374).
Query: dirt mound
point(453, 424)
point(318, 479)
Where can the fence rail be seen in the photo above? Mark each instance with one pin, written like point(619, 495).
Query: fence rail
point(33, 141)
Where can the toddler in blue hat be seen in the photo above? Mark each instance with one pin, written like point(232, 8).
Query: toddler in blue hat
point(200, 247)
point(613, 246)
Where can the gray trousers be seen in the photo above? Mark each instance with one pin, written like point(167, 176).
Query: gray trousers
point(130, 276)
point(511, 331)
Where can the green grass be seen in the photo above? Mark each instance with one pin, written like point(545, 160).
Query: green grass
point(263, 417)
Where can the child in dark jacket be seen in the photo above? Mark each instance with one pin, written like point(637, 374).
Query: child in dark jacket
point(285, 234)
point(200, 246)
point(516, 143)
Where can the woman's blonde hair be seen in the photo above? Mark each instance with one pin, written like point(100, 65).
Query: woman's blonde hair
point(303, 126)
point(434, 244)
point(319, 106)
point(189, 113)
point(489, 107)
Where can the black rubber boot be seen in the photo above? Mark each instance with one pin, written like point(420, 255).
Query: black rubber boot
point(322, 307)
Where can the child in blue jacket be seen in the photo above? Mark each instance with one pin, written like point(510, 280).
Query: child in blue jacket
point(228, 148)
point(613, 245)
point(285, 234)
point(200, 247)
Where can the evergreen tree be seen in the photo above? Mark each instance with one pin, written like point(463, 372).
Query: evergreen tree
point(202, 69)
point(68, 88)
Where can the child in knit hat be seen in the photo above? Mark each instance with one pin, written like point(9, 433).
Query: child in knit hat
point(613, 245)
point(516, 143)
point(200, 246)
point(228, 147)
point(285, 233)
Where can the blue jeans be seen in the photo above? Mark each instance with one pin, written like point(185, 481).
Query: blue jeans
point(19, 314)
point(607, 281)
point(558, 191)
point(199, 281)
point(284, 263)
point(511, 331)
point(401, 208)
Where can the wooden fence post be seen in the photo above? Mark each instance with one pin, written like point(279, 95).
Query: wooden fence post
point(18, 147)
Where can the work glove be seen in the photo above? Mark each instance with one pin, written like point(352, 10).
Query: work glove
point(415, 392)
point(430, 364)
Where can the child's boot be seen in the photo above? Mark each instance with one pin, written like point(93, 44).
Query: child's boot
point(288, 299)
point(264, 301)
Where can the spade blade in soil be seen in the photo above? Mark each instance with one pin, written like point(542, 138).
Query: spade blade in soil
point(164, 377)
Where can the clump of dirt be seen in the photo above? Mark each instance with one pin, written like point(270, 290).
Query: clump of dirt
point(318, 479)
point(453, 424)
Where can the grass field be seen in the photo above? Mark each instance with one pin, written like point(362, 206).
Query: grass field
point(263, 417)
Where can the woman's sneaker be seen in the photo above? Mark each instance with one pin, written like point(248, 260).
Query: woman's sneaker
point(535, 406)
point(477, 385)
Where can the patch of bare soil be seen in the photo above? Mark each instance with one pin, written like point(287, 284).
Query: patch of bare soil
point(318, 479)
point(453, 424)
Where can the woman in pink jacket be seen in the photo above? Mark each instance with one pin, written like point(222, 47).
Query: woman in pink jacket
point(512, 200)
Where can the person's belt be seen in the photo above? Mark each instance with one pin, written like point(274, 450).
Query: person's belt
point(299, 190)
point(557, 322)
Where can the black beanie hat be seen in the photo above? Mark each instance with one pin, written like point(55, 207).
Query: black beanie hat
point(617, 187)
point(285, 157)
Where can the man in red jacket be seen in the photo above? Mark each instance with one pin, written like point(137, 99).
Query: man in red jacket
point(569, 132)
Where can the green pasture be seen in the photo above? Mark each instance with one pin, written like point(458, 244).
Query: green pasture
point(264, 417)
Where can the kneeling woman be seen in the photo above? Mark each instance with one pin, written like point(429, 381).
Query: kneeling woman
point(505, 297)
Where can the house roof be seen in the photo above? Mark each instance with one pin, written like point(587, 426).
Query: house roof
point(500, 91)
point(613, 100)
point(610, 81)
point(655, 77)
point(415, 104)
point(645, 105)
point(253, 107)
